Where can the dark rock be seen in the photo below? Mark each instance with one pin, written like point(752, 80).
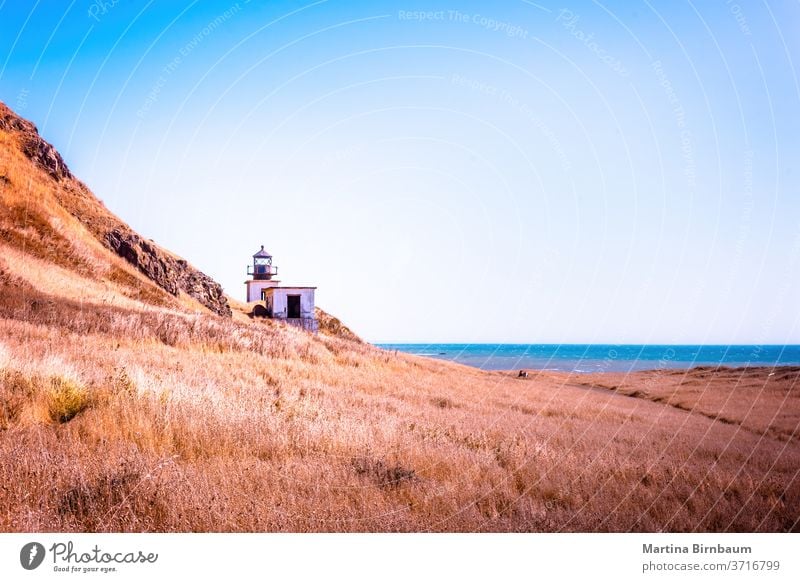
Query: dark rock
point(172, 275)
point(37, 149)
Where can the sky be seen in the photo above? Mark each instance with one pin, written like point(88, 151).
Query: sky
point(519, 172)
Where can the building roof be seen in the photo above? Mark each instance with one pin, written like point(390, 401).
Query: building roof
point(261, 254)
point(287, 288)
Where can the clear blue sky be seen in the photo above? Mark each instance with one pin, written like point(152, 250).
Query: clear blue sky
point(509, 172)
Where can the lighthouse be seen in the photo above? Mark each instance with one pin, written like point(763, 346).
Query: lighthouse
point(293, 305)
point(261, 273)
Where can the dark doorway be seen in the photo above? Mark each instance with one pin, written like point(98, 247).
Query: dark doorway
point(293, 306)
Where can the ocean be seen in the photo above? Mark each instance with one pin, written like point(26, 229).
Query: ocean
point(590, 358)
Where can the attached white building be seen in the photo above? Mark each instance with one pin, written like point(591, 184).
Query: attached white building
point(294, 305)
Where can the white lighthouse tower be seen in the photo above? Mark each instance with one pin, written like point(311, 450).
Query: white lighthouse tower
point(262, 274)
point(293, 305)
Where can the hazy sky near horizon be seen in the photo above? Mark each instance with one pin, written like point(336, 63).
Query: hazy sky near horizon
point(620, 172)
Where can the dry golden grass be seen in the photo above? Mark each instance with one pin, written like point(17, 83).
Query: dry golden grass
point(195, 423)
point(65, 398)
point(761, 400)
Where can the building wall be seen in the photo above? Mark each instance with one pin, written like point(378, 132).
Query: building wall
point(254, 288)
point(279, 301)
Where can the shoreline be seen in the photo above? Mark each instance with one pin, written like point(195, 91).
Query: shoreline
point(700, 367)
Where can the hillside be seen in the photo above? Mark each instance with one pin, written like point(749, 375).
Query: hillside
point(136, 397)
point(49, 214)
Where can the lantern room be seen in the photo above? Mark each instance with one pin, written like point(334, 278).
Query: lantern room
point(262, 270)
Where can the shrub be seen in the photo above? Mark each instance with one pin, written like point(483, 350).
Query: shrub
point(384, 475)
point(65, 399)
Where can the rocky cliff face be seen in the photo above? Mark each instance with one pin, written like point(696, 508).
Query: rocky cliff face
point(172, 275)
point(169, 272)
point(38, 150)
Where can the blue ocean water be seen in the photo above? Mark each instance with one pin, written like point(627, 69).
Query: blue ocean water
point(601, 357)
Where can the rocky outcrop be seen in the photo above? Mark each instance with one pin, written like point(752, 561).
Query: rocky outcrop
point(171, 274)
point(330, 325)
point(37, 149)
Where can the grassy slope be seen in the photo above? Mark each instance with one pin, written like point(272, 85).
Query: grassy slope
point(125, 409)
point(46, 246)
point(203, 424)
